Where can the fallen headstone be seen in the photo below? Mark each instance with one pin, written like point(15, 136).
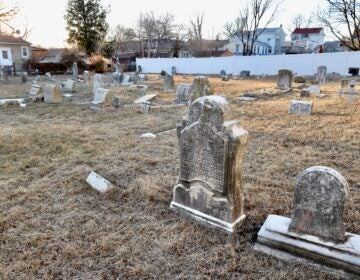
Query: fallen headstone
point(209, 186)
point(300, 108)
point(315, 235)
point(12, 102)
point(98, 183)
point(145, 98)
point(246, 98)
point(148, 135)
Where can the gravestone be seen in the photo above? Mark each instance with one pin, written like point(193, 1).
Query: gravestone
point(314, 89)
point(98, 183)
point(212, 146)
point(116, 103)
point(97, 82)
point(245, 73)
point(304, 93)
point(145, 107)
point(118, 76)
point(102, 99)
point(284, 79)
point(200, 87)
point(173, 70)
point(222, 72)
point(300, 108)
point(69, 86)
point(87, 77)
point(319, 200)
point(315, 235)
point(225, 78)
point(168, 83)
point(345, 84)
point(3, 74)
point(146, 98)
point(24, 77)
point(52, 94)
point(142, 77)
point(117, 67)
point(300, 79)
point(36, 90)
point(320, 76)
point(235, 76)
point(75, 72)
point(182, 94)
point(139, 69)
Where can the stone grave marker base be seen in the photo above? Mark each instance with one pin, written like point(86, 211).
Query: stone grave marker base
point(339, 259)
point(208, 220)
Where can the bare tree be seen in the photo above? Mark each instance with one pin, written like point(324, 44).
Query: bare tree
point(300, 21)
point(252, 15)
point(6, 14)
point(195, 31)
point(121, 36)
point(342, 18)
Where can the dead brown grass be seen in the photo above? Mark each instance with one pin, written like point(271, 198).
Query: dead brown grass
point(53, 226)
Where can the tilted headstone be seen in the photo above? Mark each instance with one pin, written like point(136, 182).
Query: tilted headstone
point(52, 94)
point(146, 98)
point(212, 146)
point(75, 72)
point(315, 235)
point(300, 108)
point(200, 87)
point(319, 201)
point(69, 86)
point(182, 94)
point(97, 82)
point(284, 79)
point(320, 77)
point(24, 77)
point(36, 90)
point(168, 83)
point(126, 80)
point(102, 99)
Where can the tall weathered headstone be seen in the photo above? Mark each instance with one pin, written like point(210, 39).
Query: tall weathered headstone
point(173, 70)
point(24, 77)
point(168, 83)
point(315, 234)
point(52, 94)
point(320, 76)
point(97, 82)
point(182, 94)
point(118, 75)
point(3, 74)
point(284, 79)
point(75, 72)
point(200, 87)
point(87, 77)
point(211, 152)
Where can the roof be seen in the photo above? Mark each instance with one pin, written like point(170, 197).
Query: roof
point(269, 30)
point(38, 49)
point(9, 39)
point(307, 30)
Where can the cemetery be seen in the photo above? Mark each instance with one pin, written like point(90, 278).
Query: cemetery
point(184, 172)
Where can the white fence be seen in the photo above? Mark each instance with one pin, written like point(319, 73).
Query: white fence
point(302, 64)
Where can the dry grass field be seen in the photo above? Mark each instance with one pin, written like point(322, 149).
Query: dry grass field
point(54, 226)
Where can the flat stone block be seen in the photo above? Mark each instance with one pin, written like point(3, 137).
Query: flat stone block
point(337, 258)
point(98, 183)
point(206, 219)
point(300, 108)
point(146, 98)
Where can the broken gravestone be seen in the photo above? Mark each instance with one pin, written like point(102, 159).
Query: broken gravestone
point(284, 79)
point(146, 98)
point(212, 146)
point(320, 76)
point(182, 93)
point(168, 83)
point(52, 94)
point(98, 183)
point(300, 108)
point(315, 235)
point(200, 87)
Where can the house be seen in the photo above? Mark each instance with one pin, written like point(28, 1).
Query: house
point(38, 52)
point(334, 46)
point(269, 41)
point(204, 48)
point(53, 55)
point(14, 51)
point(309, 40)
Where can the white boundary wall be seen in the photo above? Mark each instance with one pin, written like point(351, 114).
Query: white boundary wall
point(302, 64)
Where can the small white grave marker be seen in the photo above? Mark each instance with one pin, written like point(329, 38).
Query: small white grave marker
point(98, 183)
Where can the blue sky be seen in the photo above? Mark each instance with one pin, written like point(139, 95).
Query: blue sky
point(46, 17)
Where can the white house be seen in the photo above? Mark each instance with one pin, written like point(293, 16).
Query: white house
point(269, 41)
point(309, 38)
point(14, 50)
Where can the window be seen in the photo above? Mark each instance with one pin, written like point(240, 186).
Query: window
point(25, 51)
point(5, 55)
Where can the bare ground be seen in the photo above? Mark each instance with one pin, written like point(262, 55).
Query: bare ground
point(54, 226)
